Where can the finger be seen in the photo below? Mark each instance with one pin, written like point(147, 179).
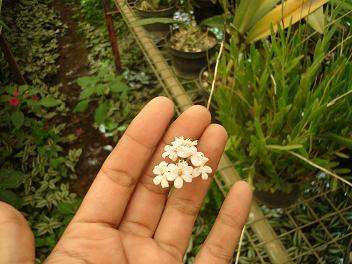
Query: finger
point(177, 221)
point(139, 218)
point(16, 238)
point(110, 192)
point(221, 242)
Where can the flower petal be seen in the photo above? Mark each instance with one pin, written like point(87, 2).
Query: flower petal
point(207, 169)
point(183, 152)
point(196, 172)
point(163, 164)
point(187, 178)
point(178, 183)
point(171, 176)
point(164, 183)
point(173, 156)
point(204, 176)
point(198, 159)
point(157, 180)
point(172, 167)
point(156, 170)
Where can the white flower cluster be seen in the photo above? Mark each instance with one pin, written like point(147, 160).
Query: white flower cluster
point(188, 163)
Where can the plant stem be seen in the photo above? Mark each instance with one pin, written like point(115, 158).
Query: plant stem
point(338, 98)
point(215, 73)
point(320, 168)
point(240, 245)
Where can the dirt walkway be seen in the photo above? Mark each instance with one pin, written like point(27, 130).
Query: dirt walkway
point(74, 64)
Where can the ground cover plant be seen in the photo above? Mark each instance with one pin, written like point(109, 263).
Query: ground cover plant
point(34, 28)
point(37, 170)
point(39, 173)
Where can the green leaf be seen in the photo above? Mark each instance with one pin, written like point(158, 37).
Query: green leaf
point(68, 208)
point(17, 118)
point(215, 21)
point(320, 161)
point(87, 81)
point(288, 147)
point(55, 163)
point(117, 86)
point(340, 139)
point(49, 101)
point(317, 20)
point(101, 113)
point(87, 92)
point(10, 197)
point(154, 20)
point(10, 179)
point(81, 106)
point(343, 171)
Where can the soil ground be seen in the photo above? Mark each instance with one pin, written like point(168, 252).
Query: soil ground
point(73, 64)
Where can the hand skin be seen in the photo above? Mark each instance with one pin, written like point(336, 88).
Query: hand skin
point(125, 218)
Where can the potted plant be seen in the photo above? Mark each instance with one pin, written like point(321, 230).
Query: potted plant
point(191, 48)
point(288, 112)
point(155, 9)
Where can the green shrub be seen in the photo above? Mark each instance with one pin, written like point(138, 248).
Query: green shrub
point(286, 101)
point(36, 168)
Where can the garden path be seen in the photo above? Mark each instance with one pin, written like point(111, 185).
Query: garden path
point(74, 64)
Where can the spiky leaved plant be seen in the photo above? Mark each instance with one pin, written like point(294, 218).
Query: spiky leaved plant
point(288, 109)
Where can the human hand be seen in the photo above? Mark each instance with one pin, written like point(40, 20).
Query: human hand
point(125, 218)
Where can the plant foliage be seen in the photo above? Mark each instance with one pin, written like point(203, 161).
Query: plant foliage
point(36, 170)
point(34, 29)
point(291, 94)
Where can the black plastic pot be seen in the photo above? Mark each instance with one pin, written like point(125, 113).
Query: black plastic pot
point(187, 65)
point(157, 27)
point(204, 9)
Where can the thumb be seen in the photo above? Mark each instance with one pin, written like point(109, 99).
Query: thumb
point(16, 238)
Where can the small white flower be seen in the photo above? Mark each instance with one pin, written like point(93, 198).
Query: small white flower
point(203, 171)
point(161, 168)
point(161, 172)
point(179, 173)
point(185, 152)
point(171, 152)
point(198, 159)
point(161, 179)
point(180, 148)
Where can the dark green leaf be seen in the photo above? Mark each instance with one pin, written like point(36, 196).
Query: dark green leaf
point(49, 101)
point(10, 198)
point(87, 81)
point(66, 208)
point(154, 20)
point(101, 113)
point(81, 106)
point(117, 86)
point(87, 92)
point(215, 21)
point(17, 118)
point(10, 179)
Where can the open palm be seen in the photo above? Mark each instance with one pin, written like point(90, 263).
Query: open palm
point(125, 218)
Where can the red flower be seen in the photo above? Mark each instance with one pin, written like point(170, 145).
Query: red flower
point(14, 101)
point(79, 132)
point(35, 97)
point(16, 93)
